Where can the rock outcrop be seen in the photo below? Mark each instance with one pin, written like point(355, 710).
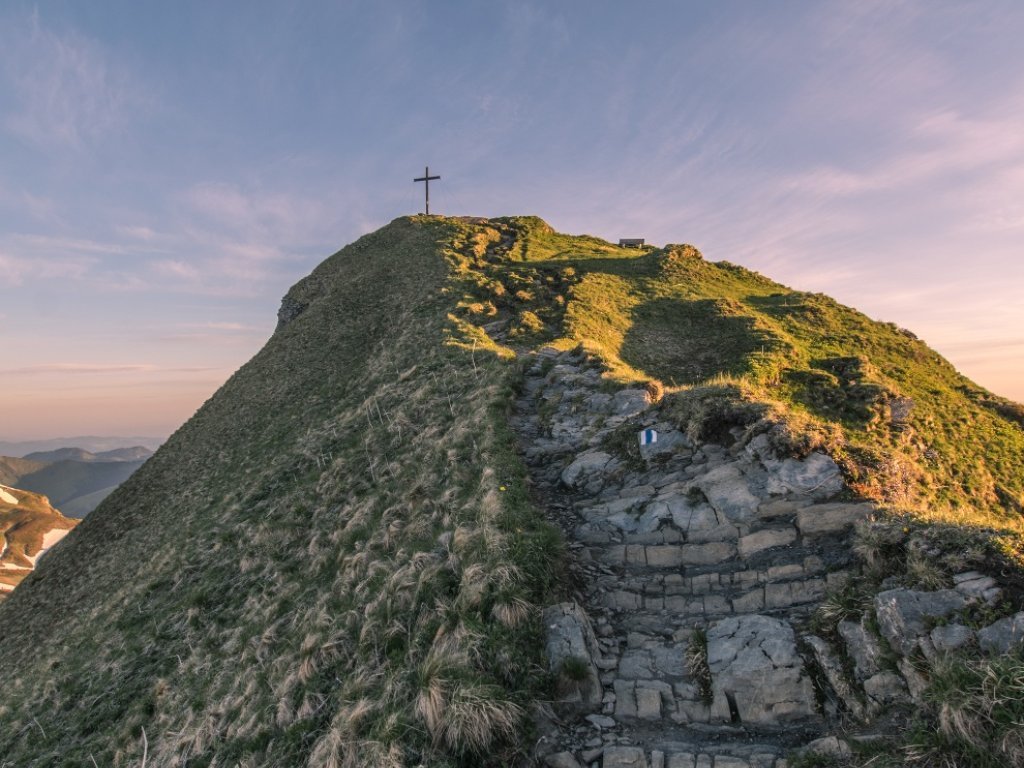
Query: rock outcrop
point(700, 565)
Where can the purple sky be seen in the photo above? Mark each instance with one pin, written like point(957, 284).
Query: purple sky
point(167, 171)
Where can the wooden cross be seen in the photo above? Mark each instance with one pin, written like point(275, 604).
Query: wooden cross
point(427, 178)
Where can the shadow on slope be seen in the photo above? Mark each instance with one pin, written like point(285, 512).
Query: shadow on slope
point(686, 342)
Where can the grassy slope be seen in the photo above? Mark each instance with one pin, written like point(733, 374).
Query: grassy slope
point(238, 600)
point(696, 326)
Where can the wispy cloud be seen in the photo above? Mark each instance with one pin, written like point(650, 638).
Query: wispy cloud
point(91, 369)
point(14, 270)
point(68, 91)
point(214, 333)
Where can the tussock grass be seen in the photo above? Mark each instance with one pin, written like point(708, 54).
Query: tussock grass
point(696, 660)
point(978, 707)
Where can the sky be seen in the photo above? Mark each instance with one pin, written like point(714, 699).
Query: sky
point(168, 170)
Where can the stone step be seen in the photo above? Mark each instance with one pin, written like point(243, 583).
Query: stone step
point(716, 556)
point(757, 598)
point(690, 755)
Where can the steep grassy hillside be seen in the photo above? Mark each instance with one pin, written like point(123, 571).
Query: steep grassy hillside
point(335, 561)
point(332, 563)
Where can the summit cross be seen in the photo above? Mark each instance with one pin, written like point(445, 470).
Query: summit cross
point(427, 178)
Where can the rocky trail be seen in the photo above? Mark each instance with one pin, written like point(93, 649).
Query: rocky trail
point(698, 567)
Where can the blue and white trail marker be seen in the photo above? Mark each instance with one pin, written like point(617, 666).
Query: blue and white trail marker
point(648, 437)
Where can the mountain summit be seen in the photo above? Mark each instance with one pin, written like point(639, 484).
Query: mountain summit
point(493, 494)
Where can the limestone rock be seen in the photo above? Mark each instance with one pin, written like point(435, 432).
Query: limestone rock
point(975, 586)
point(624, 757)
point(825, 519)
point(757, 674)
point(727, 491)
point(900, 409)
point(682, 760)
point(829, 746)
point(588, 463)
point(862, 648)
point(706, 554)
point(833, 671)
point(561, 760)
point(917, 683)
point(816, 477)
point(730, 761)
point(570, 636)
point(766, 539)
point(1003, 635)
point(691, 518)
point(776, 508)
point(629, 402)
point(904, 614)
point(669, 441)
point(648, 703)
point(601, 721)
point(950, 637)
point(885, 689)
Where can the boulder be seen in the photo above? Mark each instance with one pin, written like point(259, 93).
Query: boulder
point(816, 477)
point(584, 465)
point(900, 409)
point(862, 648)
point(757, 675)
point(601, 721)
point(760, 540)
point(629, 402)
point(950, 637)
point(689, 517)
point(561, 760)
point(828, 746)
point(832, 668)
point(917, 683)
point(669, 441)
point(624, 757)
point(885, 689)
point(1003, 635)
point(827, 519)
point(975, 586)
point(569, 636)
point(905, 615)
point(727, 491)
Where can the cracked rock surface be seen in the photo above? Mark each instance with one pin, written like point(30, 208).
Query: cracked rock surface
point(697, 566)
point(693, 551)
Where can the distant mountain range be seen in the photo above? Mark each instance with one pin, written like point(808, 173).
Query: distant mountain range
point(75, 480)
point(88, 443)
point(135, 453)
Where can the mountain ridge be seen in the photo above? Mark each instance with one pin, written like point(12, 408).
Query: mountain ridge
point(349, 520)
point(74, 453)
point(75, 480)
point(92, 443)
